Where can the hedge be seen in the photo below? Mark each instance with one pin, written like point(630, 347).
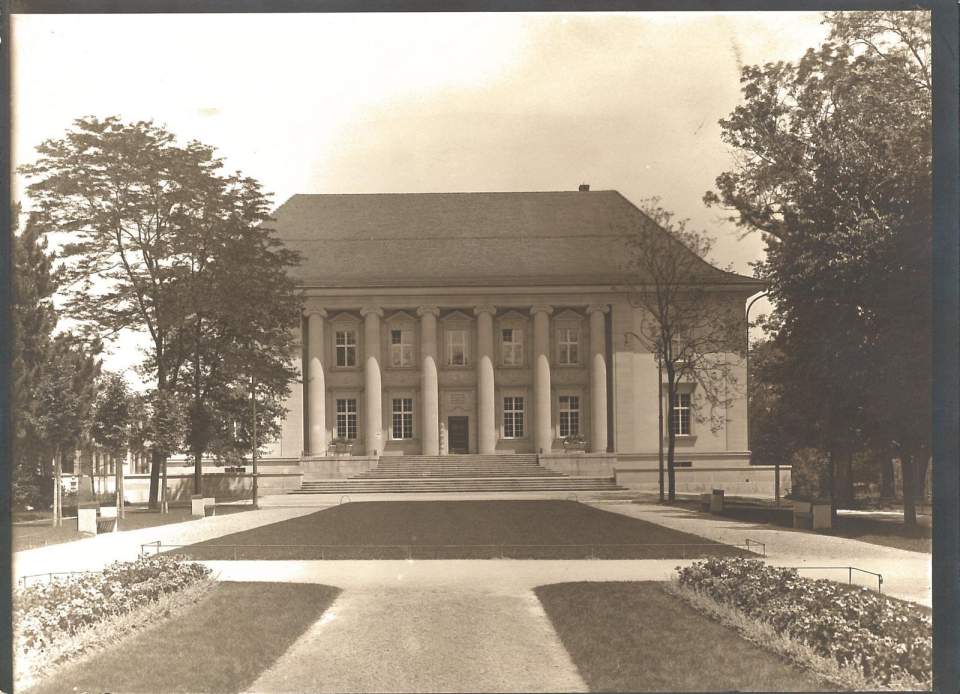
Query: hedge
point(883, 637)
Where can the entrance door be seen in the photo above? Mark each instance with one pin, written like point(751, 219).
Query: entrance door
point(458, 430)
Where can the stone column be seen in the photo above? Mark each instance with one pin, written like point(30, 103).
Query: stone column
point(373, 392)
point(316, 383)
point(486, 407)
point(542, 420)
point(598, 378)
point(429, 388)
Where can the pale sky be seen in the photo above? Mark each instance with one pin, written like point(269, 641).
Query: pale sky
point(362, 103)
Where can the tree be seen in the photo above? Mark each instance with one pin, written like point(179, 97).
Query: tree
point(34, 319)
point(697, 337)
point(64, 402)
point(111, 425)
point(147, 218)
point(833, 166)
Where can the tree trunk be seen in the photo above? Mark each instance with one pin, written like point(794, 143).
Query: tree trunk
point(155, 463)
point(197, 472)
point(832, 484)
point(850, 487)
point(671, 436)
point(886, 477)
point(57, 491)
point(922, 465)
point(908, 470)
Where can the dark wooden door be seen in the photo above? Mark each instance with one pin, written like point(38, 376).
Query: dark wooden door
point(458, 429)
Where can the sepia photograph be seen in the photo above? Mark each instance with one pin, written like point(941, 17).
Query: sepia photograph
point(502, 351)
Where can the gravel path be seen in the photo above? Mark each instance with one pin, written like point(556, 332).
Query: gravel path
point(906, 575)
point(410, 639)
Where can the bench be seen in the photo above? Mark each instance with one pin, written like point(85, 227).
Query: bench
point(108, 521)
point(202, 506)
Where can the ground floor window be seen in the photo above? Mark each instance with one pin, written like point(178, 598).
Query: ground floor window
point(569, 415)
point(681, 415)
point(346, 418)
point(402, 418)
point(512, 418)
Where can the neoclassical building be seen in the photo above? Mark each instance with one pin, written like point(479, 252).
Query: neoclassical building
point(486, 323)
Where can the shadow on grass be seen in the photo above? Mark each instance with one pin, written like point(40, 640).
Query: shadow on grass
point(222, 644)
point(634, 637)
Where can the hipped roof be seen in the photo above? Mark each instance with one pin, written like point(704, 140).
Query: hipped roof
point(467, 239)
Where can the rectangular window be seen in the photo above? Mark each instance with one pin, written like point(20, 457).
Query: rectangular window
point(346, 348)
point(511, 344)
point(346, 418)
point(569, 415)
point(512, 418)
point(402, 418)
point(457, 347)
point(401, 348)
point(681, 415)
point(569, 341)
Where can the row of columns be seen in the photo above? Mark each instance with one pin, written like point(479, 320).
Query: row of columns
point(429, 381)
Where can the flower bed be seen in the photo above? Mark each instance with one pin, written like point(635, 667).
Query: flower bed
point(888, 640)
point(44, 613)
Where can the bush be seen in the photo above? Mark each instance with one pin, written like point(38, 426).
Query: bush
point(884, 638)
point(45, 612)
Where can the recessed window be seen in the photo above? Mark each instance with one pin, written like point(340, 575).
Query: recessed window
point(512, 418)
point(346, 418)
point(569, 415)
point(401, 348)
point(681, 415)
point(568, 340)
point(346, 343)
point(511, 344)
point(457, 347)
point(402, 418)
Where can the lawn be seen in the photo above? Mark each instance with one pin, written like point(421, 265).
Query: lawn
point(633, 637)
point(41, 533)
point(888, 532)
point(221, 644)
point(476, 529)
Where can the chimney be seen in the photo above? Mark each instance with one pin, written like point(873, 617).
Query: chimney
point(584, 187)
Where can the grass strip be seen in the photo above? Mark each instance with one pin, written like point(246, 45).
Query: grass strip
point(219, 644)
point(634, 636)
point(845, 677)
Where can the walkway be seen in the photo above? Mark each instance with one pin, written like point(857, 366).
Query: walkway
point(906, 575)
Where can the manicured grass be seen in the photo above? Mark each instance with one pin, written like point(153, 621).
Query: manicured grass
point(634, 637)
point(221, 644)
point(41, 533)
point(477, 529)
point(888, 532)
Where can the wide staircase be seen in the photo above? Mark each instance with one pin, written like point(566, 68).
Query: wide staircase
point(457, 473)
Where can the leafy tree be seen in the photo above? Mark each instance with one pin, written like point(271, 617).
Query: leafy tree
point(833, 166)
point(698, 338)
point(111, 425)
point(151, 225)
point(33, 319)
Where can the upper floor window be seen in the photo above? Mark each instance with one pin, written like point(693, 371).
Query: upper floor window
point(402, 418)
point(346, 418)
point(569, 415)
point(511, 344)
point(401, 347)
point(457, 347)
point(512, 418)
point(568, 340)
point(346, 343)
point(681, 415)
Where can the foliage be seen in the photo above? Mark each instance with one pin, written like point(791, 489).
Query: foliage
point(699, 338)
point(885, 638)
point(162, 242)
point(810, 475)
point(833, 167)
point(47, 612)
point(111, 415)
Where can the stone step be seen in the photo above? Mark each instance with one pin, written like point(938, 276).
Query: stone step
point(459, 485)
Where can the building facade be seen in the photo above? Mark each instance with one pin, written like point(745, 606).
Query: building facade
point(483, 323)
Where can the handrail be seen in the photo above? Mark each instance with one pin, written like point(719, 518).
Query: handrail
point(51, 574)
point(763, 546)
point(849, 569)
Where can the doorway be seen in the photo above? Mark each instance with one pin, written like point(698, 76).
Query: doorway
point(458, 431)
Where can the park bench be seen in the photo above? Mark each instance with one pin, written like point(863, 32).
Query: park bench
point(202, 506)
point(108, 521)
point(712, 502)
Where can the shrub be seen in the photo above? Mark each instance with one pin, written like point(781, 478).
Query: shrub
point(45, 612)
point(882, 637)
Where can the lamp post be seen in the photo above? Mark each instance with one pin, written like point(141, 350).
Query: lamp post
point(776, 462)
point(626, 342)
